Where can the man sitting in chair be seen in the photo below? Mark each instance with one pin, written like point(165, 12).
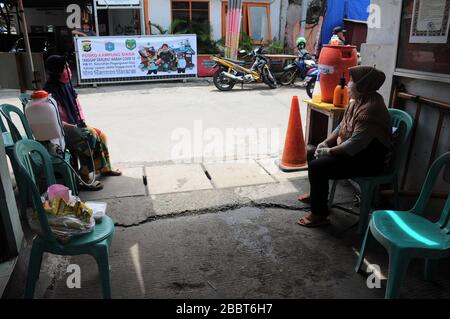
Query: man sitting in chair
point(357, 147)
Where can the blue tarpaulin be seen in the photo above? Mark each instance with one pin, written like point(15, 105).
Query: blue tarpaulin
point(356, 10)
point(338, 10)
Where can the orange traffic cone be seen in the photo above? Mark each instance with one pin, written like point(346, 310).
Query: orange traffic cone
point(294, 153)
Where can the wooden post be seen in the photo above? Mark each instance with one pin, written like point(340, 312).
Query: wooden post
point(26, 39)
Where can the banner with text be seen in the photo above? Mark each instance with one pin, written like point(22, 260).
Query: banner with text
point(103, 59)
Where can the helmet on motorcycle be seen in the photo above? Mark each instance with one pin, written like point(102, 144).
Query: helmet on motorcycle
point(301, 42)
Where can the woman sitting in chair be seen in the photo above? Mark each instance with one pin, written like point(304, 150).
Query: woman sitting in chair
point(76, 130)
point(357, 147)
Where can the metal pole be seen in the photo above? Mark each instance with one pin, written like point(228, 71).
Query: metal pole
point(238, 30)
point(96, 18)
point(305, 5)
point(27, 42)
point(142, 17)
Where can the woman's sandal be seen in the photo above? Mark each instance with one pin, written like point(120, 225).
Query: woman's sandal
point(115, 172)
point(95, 187)
point(305, 198)
point(306, 222)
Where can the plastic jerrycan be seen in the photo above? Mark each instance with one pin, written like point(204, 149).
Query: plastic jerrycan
point(43, 116)
point(335, 60)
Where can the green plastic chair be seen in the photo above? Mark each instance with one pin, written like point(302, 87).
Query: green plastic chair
point(407, 235)
point(403, 122)
point(24, 98)
point(96, 243)
point(9, 138)
point(9, 109)
point(58, 164)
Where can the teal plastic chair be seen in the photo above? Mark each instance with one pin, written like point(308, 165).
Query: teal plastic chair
point(58, 164)
point(403, 122)
point(9, 138)
point(24, 98)
point(96, 243)
point(407, 234)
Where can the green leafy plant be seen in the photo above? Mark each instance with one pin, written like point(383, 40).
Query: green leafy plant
point(245, 42)
point(159, 28)
point(276, 47)
point(176, 24)
point(205, 43)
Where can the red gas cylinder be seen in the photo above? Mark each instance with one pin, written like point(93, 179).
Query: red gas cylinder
point(333, 61)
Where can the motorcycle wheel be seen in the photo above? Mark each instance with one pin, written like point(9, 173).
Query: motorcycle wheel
point(288, 77)
point(310, 87)
point(268, 78)
point(221, 82)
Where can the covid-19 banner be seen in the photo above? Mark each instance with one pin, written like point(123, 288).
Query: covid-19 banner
point(110, 59)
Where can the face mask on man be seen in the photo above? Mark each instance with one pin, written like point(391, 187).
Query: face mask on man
point(65, 76)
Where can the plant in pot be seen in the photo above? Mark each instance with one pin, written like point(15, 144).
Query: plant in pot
point(206, 46)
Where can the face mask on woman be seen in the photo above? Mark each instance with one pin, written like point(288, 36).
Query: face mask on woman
point(65, 76)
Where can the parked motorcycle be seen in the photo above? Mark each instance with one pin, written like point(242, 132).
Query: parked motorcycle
point(304, 68)
point(310, 80)
point(232, 71)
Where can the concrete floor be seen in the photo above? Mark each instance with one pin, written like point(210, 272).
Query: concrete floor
point(187, 236)
point(241, 253)
point(238, 242)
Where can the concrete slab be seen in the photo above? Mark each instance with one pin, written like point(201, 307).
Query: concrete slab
point(240, 253)
point(129, 184)
point(244, 253)
point(128, 211)
point(240, 173)
point(270, 166)
point(283, 194)
point(203, 200)
point(176, 178)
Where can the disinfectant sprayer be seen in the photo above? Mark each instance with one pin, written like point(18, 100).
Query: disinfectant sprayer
point(43, 115)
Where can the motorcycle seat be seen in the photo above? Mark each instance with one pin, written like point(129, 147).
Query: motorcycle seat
point(238, 62)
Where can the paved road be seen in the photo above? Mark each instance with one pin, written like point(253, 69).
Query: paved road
point(149, 122)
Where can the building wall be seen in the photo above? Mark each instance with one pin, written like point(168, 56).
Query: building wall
point(292, 23)
point(275, 17)
point(426, 129)
point(215, 18)
point(381, 45)
point(160, 13)
point(381, 49)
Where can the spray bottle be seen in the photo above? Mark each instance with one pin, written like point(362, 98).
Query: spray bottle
point(317, 95)
point(340, 96)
